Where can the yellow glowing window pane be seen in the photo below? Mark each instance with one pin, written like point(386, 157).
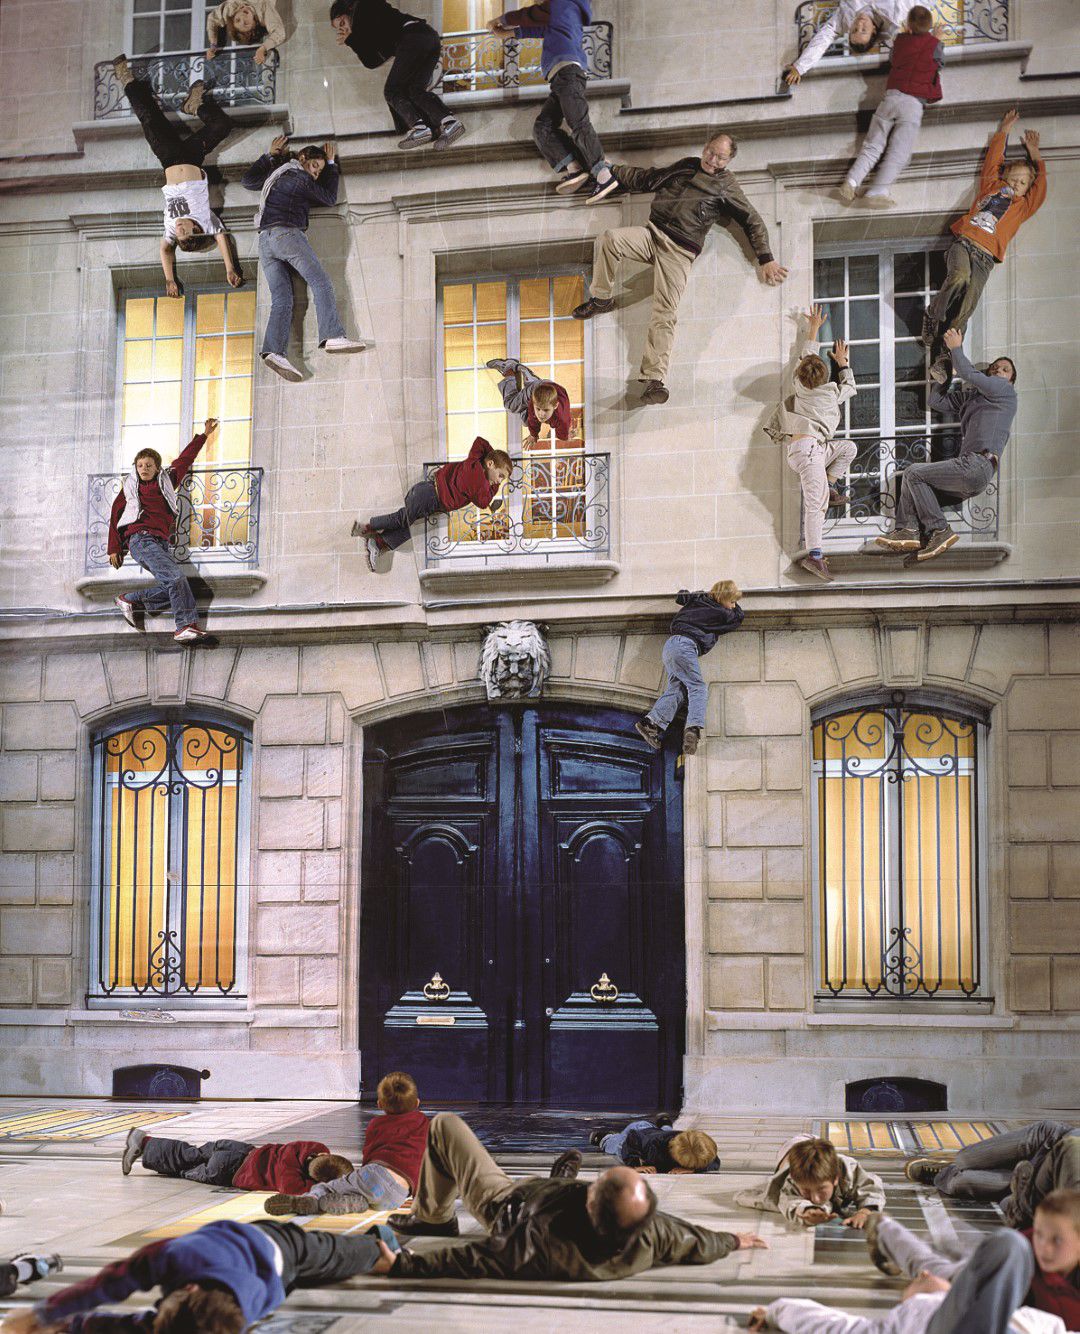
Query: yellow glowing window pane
point(235, 442)
point(490, 342)
point(170, 316)
point(460, 391)
point(458, 303)
point(534, 296)
point(460, 433)
point(491, 301)
point(166, 403)
point(569, 340)
point(492, 426)
point(209, 357)
point(488, 397)
point(139, 317)
point(572, 379)
point(207, 401)
point(237, 398)
point(568, 292)
point(168, 358)
point(241, 311)
point(239, 354)
point(458, 347)
point(210, 313)
point(138, 404)
point(138, 361)
point(535, 343)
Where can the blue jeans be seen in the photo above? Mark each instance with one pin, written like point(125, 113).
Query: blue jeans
point(373, 1182)
point(282, 250)
point(614, 1142)
point(172, 588)
point(684, 682)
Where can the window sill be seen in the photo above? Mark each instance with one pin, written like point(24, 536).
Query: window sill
point(721, 1021)
point(157, 1018)
point(121, 127)
point(518, 575)
point(532, 92)
point(972, 54)
point(241, 582)
point(861, 556)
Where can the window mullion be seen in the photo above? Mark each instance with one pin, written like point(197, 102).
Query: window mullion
point(515, 498)
point(175, 887)
point(187, 372)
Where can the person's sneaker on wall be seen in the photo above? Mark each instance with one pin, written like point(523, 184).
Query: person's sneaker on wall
point(133, 1148)
point(690, 740)
point(601, 190)
point(655, 391)
point(190, 634)
point(900, 539)
point(873, 199)
point(282, 366)
point(927, 330)
point(649, 733)
point(566, 1166)
point(818, 566)
point(417, 137)
point(450, 132)
point(343, 345)
point(940, 370)
point(191, 104)
point(375, 548)
point(595, 305)
point(837, 498)
point(128, 610)
point(847, 191)
point(937, 543)
point(571, 181)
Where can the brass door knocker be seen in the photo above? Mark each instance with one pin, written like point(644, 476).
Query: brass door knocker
point(436, 989)
point(604, 991)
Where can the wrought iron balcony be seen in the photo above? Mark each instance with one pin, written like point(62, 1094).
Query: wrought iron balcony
point(874, 486)
point(477, 61)
point(964, 22)
point(556, 507)
point(233, 75)
point(218, 521)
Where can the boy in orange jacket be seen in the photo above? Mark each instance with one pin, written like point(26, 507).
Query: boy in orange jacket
point(1009, 194)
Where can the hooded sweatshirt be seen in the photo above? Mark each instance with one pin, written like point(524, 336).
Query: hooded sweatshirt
point(145, 505)
point(703, 619)
point(279, 1167)
point(561, 24)
point(459, 484)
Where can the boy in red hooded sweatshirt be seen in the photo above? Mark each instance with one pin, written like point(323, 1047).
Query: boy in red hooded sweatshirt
point(537, 402)
point(293, 1166)
point(914, 81)
point(473, 480)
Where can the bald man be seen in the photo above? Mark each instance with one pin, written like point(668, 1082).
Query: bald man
point(542, 1228)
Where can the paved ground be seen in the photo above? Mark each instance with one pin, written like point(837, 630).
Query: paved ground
point(63, 1191)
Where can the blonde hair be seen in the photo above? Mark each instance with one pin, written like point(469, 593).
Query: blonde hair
point(1062, 1204)
point(545, 396)
point(725, 590)
point(692, 1148)
point(397, 1093)
point(328, 1167)
point(812, 371)
point(813, 1162)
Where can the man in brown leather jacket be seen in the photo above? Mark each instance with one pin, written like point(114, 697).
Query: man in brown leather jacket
point(556, 1229)
point(691, 195)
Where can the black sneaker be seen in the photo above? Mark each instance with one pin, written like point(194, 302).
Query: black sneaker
point(572, 181)
point(566, 1166)
point(598, 192)
point(879, 1257)
point(662, 1121)
point(938, 542)
point(596, 305)
point(655, 391)
point(924, 1171)
point(411, 1226)
point(900, 539)
point(690, 738)
point(133, 1148)
point(649, 733)
point(928, 330)
point(449, 133)
point(595, 1136)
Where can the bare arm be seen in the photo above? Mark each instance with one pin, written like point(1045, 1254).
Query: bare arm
point(168, 266)
point(223, 241)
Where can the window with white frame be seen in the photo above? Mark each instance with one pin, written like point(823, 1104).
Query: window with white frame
point(960, 22)
point(159, 26)
point(170, 848)
point(899, 805)
point(874, 298)
point(527, 318)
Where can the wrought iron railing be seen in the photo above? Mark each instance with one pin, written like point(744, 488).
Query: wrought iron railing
point(236, 80)
point(874, 487)
point(474, 61)
point(169, 819)
point(897, 792)
point(555, 507)
point(964, 22)
point(218, 519)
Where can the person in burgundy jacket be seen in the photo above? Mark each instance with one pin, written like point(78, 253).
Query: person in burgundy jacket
point(291, 1167)
point(474, 480)
point(914, 81)
point(394, 1147)
point(537, 402)
point(1055, 1240)
point(142, 521)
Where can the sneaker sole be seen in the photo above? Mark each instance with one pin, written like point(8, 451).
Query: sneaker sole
point(338, 351)
point(825, 577)
point(445, 140)
point(653, 745)
point(654, 400)
point(291, 377)
point(572, 185)
point(950, 541)
point(407, 147)
point(891, 545)
point(604, 191)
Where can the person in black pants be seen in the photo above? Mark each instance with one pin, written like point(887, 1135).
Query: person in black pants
point(189, 222)
point(377, 31)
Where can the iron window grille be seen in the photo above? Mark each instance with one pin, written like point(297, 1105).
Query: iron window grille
point(965, 22)
point(170, 830)
point(478, 60)
point(899, 831)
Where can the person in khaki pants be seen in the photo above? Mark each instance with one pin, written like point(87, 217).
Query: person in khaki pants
point(555, 1228)
point(690, 196)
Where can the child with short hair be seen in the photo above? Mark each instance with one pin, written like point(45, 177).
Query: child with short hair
point(394, 1147)
point(656, 1146)
point(579, 155)
point(864, 22)
point(537, 402)
point(142, 522)
point(291, 1166)
point(1055, 1241)
point(1009, 194)
point(813, 1183)
point(694, 631)
point(473, 480)
point(914, 81)
point(807, 420)
point(189, 222)
point(245, 22)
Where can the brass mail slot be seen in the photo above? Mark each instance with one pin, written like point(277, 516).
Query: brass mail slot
point(437, 1020)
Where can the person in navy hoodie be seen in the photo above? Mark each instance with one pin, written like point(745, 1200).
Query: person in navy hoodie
point(578, 156)
point(217, 1280)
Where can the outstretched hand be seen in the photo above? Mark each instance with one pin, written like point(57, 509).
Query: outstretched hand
point(839, 353)
point(386, 1260)
point(815, 318)
point(759, 1318)
point(773, 273)
point(210, 426)
point(952, 338)
point(812, 1217)
point(330, 149)
point(1009, 119)
point(750, 1241)
point(792, 76)
point(499, 29)
point(1031, 142)
point(280, 145)
point(858, 1219)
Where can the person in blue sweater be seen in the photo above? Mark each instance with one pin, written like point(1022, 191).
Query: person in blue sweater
point(985, 405)
point(656, 1146)
point(217, 1280)
point(577, 157)
point(694, 631)
point(290, 186)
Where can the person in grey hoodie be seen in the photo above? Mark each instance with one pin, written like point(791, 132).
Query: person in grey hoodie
point(985, 405)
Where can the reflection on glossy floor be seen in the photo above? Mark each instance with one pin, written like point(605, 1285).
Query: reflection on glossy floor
point(65, 1192)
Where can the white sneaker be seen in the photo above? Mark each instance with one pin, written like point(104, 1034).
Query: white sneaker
point(847, 191)
point(190, 634)
point(882, 200)
point(344, 345)
point(127, 610)
point(282, 366)
point(374, 551)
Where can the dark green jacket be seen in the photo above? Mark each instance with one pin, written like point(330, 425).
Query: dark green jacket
point(543, 1231)
point(689, 202)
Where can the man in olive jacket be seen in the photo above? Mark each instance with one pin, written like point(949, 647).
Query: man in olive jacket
point(542, 1228)
point(691, 195)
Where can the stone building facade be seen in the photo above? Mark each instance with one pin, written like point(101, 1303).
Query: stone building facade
point(315, 650)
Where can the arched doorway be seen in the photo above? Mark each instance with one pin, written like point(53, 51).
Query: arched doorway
point(522, 908)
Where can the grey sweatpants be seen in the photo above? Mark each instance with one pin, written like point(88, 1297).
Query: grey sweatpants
point(922, 486)
point(516, 399)
point(896, 124)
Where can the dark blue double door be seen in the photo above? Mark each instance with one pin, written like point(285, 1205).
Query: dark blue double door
point(522, 908)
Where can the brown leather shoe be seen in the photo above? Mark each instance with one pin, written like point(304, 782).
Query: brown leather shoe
point(817, 566)
point(596, 305)
point(412, 1226)
point(655, 391)
point(566, 1166)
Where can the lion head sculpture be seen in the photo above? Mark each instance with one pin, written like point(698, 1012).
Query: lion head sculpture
point(514, 662)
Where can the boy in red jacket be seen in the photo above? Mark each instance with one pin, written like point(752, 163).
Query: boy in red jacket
point(914, 80)
point(143, 518)
point(1055, 1239)
point(394, 1145)
point(474, 480)
point(537, 402)
point(228, 1162)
